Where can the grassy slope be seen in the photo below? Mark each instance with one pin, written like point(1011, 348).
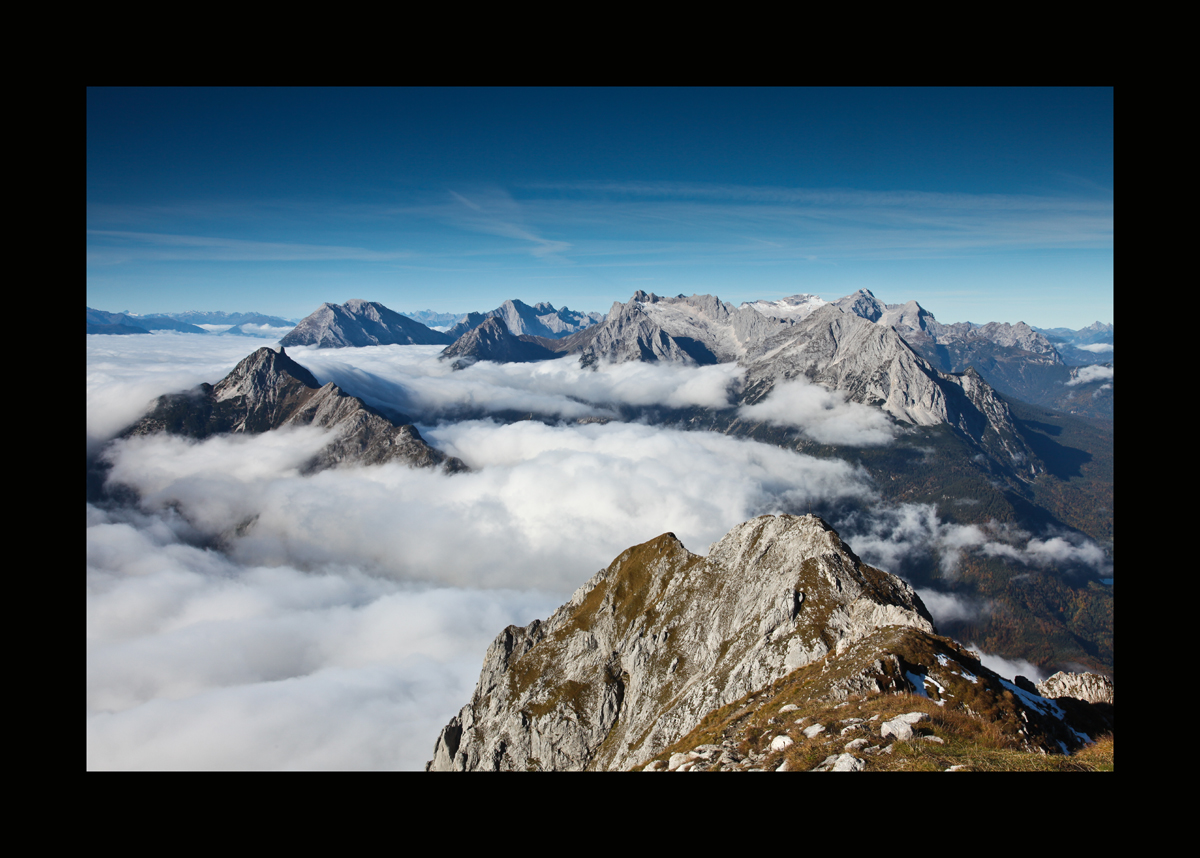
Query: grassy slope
point(979, 725)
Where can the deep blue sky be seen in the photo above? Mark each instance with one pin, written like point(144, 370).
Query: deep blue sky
point(981, 204)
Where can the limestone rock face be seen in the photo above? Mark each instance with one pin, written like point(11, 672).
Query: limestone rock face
point(360, 323)
point(629, 334)
point(870, 363)
point(540, 320)
point(661, 637)
point(268, 390)
point(874, 365)
point(1082, 686)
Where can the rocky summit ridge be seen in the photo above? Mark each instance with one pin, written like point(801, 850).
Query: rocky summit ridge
point(492, 340)
point(268, 390)
point(661, 637)
point(666, 658)
point(540, 320)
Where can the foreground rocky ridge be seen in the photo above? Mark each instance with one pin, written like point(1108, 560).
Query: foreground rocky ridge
point(937, 709)
point(268, 390)
point(650, 645)
point(666, 653)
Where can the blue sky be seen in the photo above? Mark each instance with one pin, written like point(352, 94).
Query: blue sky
point(983, 205)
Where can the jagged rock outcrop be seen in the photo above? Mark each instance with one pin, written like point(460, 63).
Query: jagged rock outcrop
point(661, 637)
point(360, 323)
point(492, 340)
point(629, 334)
point(699, 329)
point(1015, 359)
point(871, 363)
point(267, 390)
point(892, 695)
point(1091, 687)
point(540, 320)
point(874, 365)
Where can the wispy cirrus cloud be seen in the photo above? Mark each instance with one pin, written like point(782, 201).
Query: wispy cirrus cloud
point(497, 213)
point(834, 221)
point(116, 246)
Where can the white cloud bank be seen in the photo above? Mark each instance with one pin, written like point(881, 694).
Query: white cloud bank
point(195, 661)
point(892, 536)
point(824, 415)
point(347, 623)
point(544, 506)
point(412, 379)
point(1088, 374)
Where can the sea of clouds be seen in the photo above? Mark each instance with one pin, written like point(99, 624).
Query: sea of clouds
point(245, 616)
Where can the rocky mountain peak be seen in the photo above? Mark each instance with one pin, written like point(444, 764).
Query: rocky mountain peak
point(265, 369)
point(360, 323)
point(267, 390)
point(863, 303)
point(662, 636)
point(666, 660)
point(492, 340)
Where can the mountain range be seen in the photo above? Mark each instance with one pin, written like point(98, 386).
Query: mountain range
point(974, 456)
point(779, 650)
point(1035, 366)
point(1015, 360)
point(101, 322)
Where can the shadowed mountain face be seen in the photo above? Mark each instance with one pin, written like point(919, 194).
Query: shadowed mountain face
point(492, 340)
point(360, 323)
point(268, 390)
point(652, 646)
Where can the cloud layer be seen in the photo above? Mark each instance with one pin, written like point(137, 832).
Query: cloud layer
point(822, 414)
point(544, 506)
point(245, 616)
point(414, 380)
point(1096, 372)
point(196, 661)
